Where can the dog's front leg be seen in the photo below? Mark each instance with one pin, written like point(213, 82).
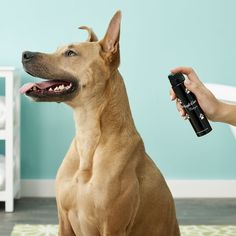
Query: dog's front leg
point(65, 228)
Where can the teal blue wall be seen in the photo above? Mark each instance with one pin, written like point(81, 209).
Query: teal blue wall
point(156, 36)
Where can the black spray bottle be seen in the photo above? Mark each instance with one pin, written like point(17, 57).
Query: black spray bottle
point(189, 102)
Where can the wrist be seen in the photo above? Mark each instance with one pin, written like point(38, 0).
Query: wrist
point(226, 113)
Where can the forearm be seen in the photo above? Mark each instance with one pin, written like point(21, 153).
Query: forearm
point(227, 113)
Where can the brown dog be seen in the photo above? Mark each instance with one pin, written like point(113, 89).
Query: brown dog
point(107, 185)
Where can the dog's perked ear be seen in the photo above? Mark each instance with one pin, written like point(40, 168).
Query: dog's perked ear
point(91, 35)
point(110, 42)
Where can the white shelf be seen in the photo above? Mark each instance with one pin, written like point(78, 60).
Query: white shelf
point(11, 135)
point(2, 195)
point(7, 68)
point(2, 134)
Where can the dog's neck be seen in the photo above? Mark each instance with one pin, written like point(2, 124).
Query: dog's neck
point(97, 123)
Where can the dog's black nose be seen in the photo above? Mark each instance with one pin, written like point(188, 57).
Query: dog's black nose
point(26, 56)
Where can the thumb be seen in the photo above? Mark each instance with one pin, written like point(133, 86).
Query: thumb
point(194, 87)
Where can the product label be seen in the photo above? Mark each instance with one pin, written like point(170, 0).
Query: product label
point(191, 105)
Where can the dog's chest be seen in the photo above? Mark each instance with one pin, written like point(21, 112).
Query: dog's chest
point(75, 192)
point(76, 199)
point(86, 197)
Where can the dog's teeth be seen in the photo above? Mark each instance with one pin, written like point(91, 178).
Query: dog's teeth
point(34, 88)
point(56, 89)
point(50, 90)
point(61, 87)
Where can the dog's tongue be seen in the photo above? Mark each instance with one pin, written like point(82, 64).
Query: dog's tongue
point(27, 87)
point(42, 85)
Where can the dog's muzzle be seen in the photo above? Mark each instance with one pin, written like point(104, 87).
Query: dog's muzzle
point(27, 56)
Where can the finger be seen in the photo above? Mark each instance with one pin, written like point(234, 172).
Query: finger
point(191, 74)
point(195, 87)
point(182, 69)
point(172, 95)
point(186, 117)
point(180, 109)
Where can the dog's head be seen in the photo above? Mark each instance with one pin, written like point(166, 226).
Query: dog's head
point(75, 72)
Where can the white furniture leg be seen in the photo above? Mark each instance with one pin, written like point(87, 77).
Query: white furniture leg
point(9, 204)
point(11, 135)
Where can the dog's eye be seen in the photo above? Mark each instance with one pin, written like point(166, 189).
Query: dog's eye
point(70, 53)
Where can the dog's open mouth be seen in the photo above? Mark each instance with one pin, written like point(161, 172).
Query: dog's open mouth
point(49, 88)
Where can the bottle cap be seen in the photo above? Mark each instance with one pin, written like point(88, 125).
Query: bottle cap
point(176, 79)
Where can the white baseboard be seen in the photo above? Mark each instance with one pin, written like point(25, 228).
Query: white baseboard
point(202, 188)
point(179, 188)
point(38, 188)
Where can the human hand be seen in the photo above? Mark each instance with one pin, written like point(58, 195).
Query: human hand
point(207, 101)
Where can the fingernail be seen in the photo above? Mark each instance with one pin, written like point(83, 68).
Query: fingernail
point(186, 117)
point(187, 81)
